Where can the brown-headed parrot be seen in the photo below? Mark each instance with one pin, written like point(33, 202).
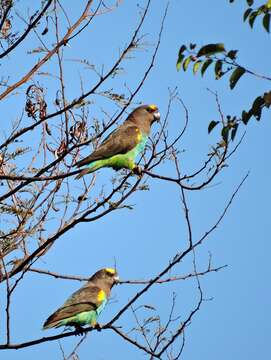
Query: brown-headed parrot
point(85, 305)
point(122, 146)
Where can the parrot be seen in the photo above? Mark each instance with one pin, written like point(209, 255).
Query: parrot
point(122, 145)
point(85, 305)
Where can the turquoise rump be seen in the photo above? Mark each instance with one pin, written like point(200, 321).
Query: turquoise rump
point(120, 161)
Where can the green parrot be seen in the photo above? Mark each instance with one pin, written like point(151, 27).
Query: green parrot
point(85, 305)
point(122, 146)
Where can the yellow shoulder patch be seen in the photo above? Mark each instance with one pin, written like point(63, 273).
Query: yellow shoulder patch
point(110, 270)
point(101, 296)
point(139, 137)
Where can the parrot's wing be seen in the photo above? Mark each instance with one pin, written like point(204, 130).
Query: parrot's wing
point(85, 299)
point(120, 141)
point(68, 311)
point(87, 294)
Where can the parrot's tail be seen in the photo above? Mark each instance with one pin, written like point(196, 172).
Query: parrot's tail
point(82, 173)
point(91, 168)
point(50, 323)
point(50, 326)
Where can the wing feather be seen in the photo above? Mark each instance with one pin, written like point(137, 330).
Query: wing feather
point(84, 299)
point(120, 141)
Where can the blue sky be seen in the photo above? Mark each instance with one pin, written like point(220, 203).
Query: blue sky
point(236, 322)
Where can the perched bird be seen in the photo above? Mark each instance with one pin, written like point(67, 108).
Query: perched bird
point(122, 146)
point(85, 305)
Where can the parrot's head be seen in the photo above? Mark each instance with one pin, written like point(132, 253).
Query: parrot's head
point(153, 111)
point(107, 275)
point(145, 115)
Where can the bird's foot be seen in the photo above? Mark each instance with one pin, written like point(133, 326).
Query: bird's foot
point(80, 331)
point(98, 327)
point(137, 170)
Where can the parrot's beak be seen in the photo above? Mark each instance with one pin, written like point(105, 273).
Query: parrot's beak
point(116, 279)
point(156, 115)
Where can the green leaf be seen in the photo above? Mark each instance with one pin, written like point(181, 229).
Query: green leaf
point(247, 13)
point(186, 63)
point(179, 62)
point(267, 99)
point(232, 54)
point(257, 106)
point(192, 46)
point(250, 2)
point(180, 57)
point(234, 131)
point(262, 9)
point(246, 116)
point(212, 125)
point(205, 65)
point(196, 66)
point(218, 69)
point(266, 22)
point(225, 133)
point(182, 49)
point(211, 49)
point(268, 4)
point(252, 18)
point(258, 115)
point(258, 102)
point(235, 76)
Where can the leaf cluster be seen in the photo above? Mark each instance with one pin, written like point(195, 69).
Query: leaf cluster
point(256, 109)
point(228, 131)
point(211, 54)
point(251, 14)
point(223, 62)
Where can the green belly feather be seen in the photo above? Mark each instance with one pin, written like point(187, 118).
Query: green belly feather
point(83, 318)
point(120, 161)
